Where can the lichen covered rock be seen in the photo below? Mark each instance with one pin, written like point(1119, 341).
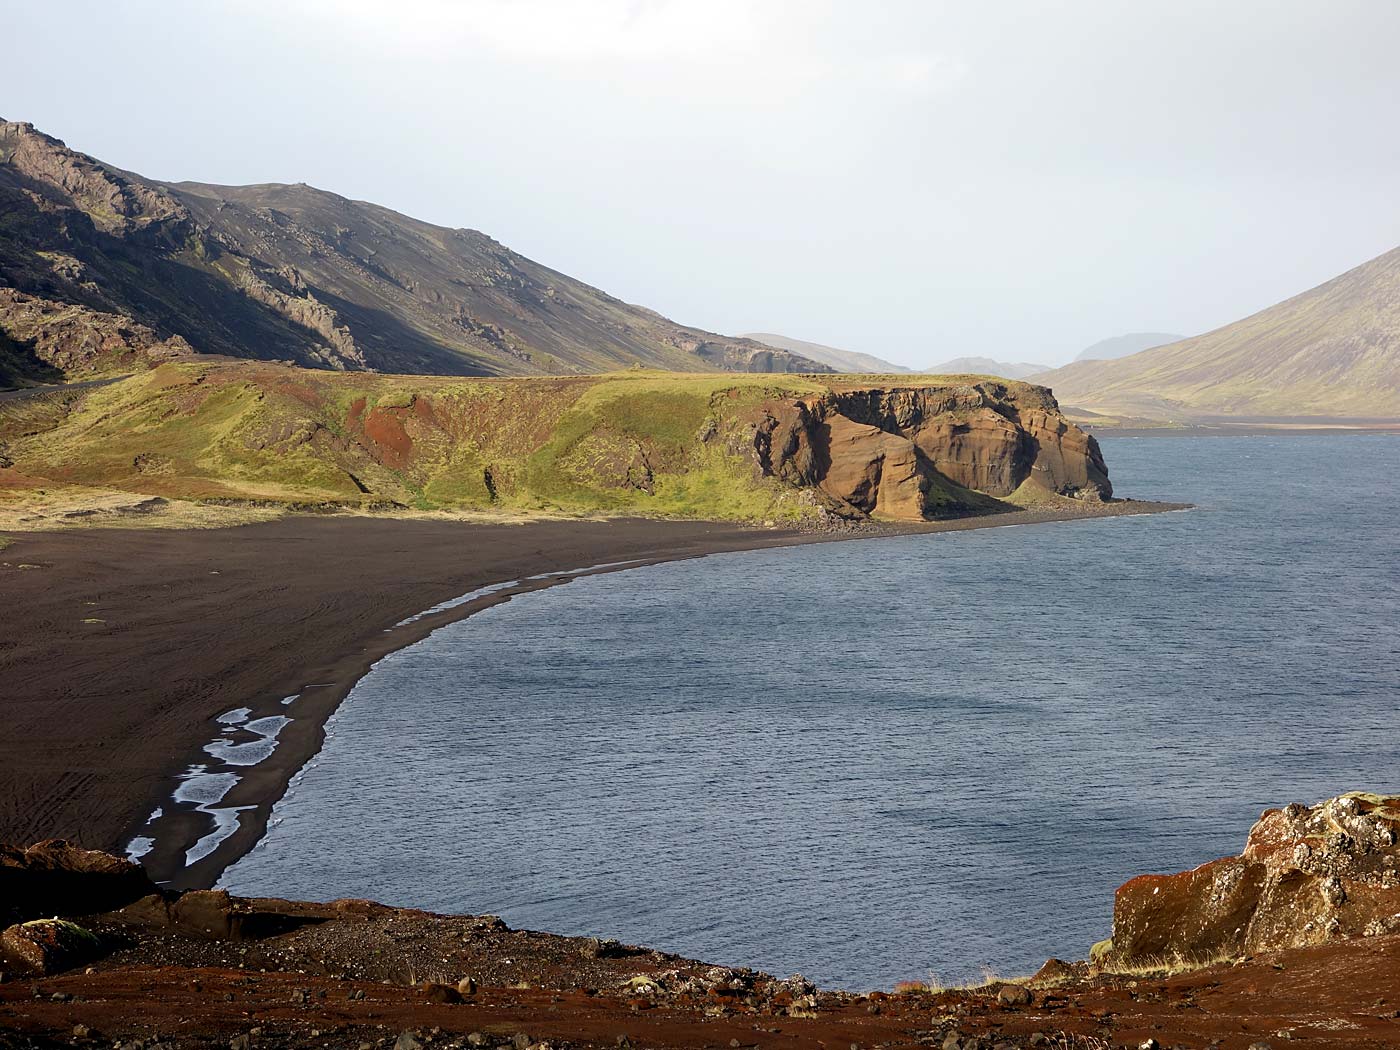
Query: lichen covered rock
point(1306, 875)
point(46, 946)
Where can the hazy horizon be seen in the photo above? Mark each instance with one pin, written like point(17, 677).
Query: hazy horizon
point(914, 181)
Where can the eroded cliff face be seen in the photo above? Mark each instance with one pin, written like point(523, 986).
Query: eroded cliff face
point(928, 451)
point(1307, 875)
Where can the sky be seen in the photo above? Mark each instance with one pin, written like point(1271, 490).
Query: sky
point(916, 180)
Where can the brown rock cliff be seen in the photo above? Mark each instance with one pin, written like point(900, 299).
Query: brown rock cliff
point(931, 450)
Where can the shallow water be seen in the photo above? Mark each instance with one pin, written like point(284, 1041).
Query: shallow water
point(879, 760)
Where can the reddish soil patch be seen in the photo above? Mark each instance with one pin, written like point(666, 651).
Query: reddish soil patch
point(384, 429)
point(343, 975)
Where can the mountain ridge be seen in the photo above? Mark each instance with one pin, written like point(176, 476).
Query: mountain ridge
point(1117, 346)
point(986, 366)
point(839, 360)
point(286, 271)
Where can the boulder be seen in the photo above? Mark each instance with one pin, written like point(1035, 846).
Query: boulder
point(1014, 995)
point(1306, 875)
point(1055, 971)
point(435, 992)
point(48, 946)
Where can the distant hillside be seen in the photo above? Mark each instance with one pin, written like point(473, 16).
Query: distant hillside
point(1333, 351)
point(1123, 345)
point(99, 267)
point(984, 366)
point(837, 360)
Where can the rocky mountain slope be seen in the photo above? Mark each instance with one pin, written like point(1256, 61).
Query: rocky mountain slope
point(1122, 345)
point(985, 366)
point(1331, 352)
point(836, 359)
point(101, 268)
point(634, 442)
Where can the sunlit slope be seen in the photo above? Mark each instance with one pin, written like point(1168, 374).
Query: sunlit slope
point(1333, 351)
point(697, 445)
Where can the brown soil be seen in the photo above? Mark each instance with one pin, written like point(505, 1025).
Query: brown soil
point(347, 974)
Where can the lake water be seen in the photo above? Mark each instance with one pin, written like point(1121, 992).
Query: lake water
point(879, 760)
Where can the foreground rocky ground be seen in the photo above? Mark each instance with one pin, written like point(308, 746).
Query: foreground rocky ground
point(1305, 907)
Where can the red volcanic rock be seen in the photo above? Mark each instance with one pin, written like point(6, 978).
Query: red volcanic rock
point(435, 992)
point(1306, 876)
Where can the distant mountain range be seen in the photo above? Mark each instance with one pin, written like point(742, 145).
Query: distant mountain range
point(101, 268)
point(839, 360)
point(985, 366)
point(1123, 345)
point(1333, 351)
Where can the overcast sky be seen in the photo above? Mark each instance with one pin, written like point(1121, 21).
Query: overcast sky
point(917, 180)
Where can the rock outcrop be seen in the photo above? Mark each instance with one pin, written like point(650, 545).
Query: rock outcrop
point(76, 342)
point(58, 878)
point(1307, 875)
point(933, 450)
point(117, 203)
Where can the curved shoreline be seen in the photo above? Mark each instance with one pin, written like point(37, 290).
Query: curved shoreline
point(121, 648)
point(262, 786)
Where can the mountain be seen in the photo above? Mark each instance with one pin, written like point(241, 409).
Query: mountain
point(1123, 345)
point(837, 360)
point(101, 268)
point(1333, 351)
point(984, 366)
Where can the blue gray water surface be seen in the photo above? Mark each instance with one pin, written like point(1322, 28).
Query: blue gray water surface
point(879, 760)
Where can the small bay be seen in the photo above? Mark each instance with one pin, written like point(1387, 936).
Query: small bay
point(889, 759)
